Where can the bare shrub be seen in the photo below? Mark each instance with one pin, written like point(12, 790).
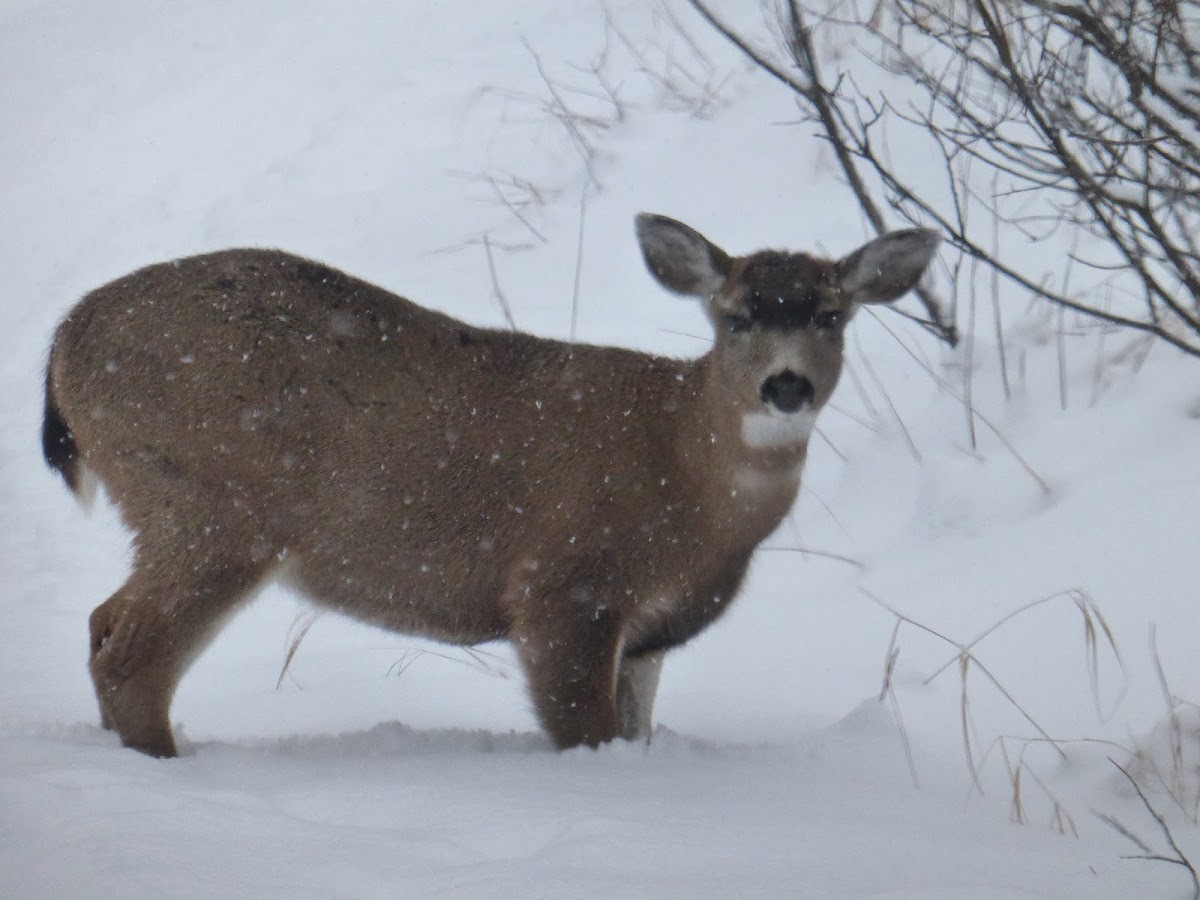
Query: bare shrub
point(1076, 123)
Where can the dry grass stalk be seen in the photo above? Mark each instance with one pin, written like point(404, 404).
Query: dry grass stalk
point(857, 419)
point(299, 631)
point(1094, 624)
point(478, 660)
point(1099, 369)
point(1060, 820)
point(1014, 772)
point(823, 554)
point(889, 691)
point(964, 664)
point(863, 394)
point(832, 446)
point(583, 195)
point(809, 492)
point(968, 351)
point(1041, 482)
point(887, 397)
point(1180, 782)
point(997, 318)
point(966, 659)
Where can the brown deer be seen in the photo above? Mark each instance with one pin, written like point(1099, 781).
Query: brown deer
point(257, 416)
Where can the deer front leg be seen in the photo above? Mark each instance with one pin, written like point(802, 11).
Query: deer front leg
point(570, 655)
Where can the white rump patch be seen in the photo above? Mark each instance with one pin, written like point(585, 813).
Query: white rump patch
point(776, 429)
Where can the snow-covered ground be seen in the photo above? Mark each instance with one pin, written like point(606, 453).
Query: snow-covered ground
point(389, 139)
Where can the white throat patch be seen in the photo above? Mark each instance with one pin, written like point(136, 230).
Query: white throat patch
point(776, 429)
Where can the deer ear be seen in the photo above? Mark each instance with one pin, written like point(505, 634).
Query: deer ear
point(681, 258)
point(888, 267)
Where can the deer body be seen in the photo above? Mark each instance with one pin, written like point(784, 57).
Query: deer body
point(257, 416)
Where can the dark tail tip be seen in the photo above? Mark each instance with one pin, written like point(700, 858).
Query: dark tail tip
point(58, 442)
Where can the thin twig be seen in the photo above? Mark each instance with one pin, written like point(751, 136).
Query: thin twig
point(496, 292)
point(1179, 858)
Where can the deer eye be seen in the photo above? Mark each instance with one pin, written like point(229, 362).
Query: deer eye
point(738, 324)
point(828, 318)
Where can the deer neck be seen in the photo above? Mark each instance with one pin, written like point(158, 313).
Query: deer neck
point(743, 463)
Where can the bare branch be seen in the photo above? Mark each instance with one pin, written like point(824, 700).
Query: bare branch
point(1179, 858)
point(1083, 117)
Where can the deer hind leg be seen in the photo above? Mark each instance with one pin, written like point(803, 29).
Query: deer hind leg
point(144, 637)
point(637, 683)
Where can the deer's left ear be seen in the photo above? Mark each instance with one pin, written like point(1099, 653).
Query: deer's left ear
point(888, 267)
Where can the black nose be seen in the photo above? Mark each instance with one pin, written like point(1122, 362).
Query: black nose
point(787, 391)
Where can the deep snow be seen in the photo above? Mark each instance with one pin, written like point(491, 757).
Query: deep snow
point(364, 134)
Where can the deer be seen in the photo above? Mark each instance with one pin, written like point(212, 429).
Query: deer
point(258, 417)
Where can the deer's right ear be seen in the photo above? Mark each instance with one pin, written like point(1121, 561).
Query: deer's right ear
point(681, 258)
